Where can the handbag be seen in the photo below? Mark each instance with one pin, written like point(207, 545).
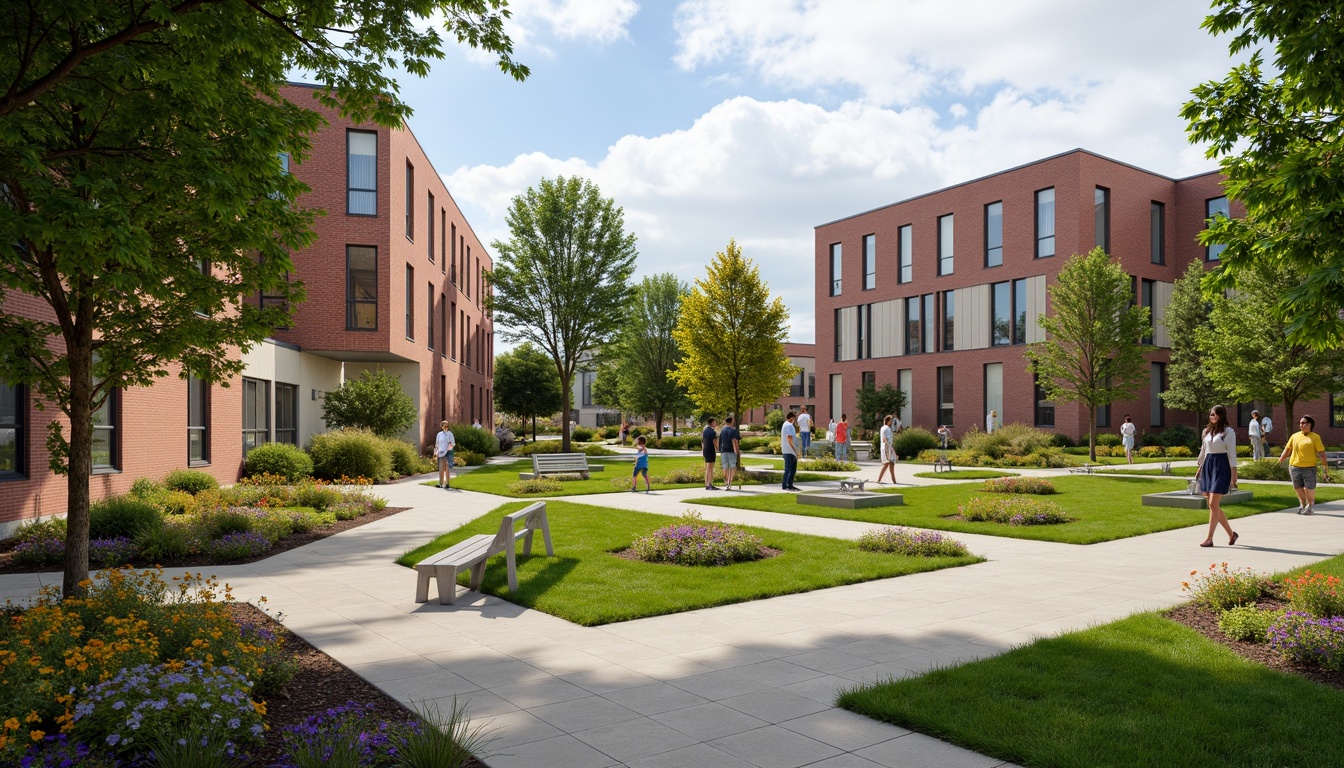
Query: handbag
point(1192, 487)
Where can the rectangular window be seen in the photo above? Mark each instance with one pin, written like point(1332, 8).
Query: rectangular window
point(869, 262)
point(198, 421)
point(835, 269)
point(912, 326)
point(256, 414)
point(410, 201)
point(949, 320)
point(929, 320)
point(410, 302)
point(1045, 225)
point(443, 325)
point(452, 244)
point(105, 439)
point(945, 244)
point(462, 328)
point(906, 246)
point(361, 288)
point(1336, 410)
point(1045, 409)
point(839, 337)
point(466, 270)
point(1157, 385)
point(1019, 311)
point(429, 222)
point(1101, 217)
point(1146, 300)
point(945, 395)
point(13, 410)
point(1104, 410)
point(797, 384)
point(587, 378)
point(837, 400)
point(443, 241)
point(429, 313)
point(1001, 314)
point(1212, 210)
point(868, 379)
point(361, 173)
point(865, 312)
point(452, 330)
point(1157, 240)
point(286, 413)
point(994, 234)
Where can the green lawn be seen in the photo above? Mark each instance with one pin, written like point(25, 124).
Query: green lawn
point(1143, 691)
point(586, 584)
point(1105, 508)
point(966, 474)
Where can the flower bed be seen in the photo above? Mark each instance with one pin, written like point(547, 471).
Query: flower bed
point(692, 541)
point(1013, 510)
point(1031, 485)
point(1221, 587)
point(916, 543)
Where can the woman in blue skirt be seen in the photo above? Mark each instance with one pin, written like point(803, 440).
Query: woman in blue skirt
point(1218, 470)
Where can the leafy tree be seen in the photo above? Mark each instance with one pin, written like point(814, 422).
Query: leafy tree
point(607, 388)
point(876, 403)
point(141, 195)
point(1279, 134)
point(1095, 352)
point(645, 351)
point(562, 280)
point(375, 401)
point(1250, 355)
point(1189, 386)
point(526, 384)
point(732, 335)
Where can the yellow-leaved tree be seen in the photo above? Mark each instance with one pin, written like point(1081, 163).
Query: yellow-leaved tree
point(731, 335)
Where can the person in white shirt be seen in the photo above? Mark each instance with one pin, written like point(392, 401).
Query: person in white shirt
point(1257, 441)
point(1266, 426)
point(1218, 470)
point(805, 429)
point(830, 430)
point(443, 449)
point(991, 421)
point(1127, 430)
point(788, 445)
point(888, 452)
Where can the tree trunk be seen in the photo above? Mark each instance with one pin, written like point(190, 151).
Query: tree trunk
point(79, 350)
point(658, 419)
point(565, 383)
point(534, 429)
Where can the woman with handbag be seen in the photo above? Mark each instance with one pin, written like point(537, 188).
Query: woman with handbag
point(1217, 472)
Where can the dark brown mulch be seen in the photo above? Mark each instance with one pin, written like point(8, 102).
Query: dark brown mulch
point(7, 564)
point(629, 554)
point(1205, 622)
point(320, 684)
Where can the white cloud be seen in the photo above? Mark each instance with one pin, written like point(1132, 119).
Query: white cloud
point(597, 21)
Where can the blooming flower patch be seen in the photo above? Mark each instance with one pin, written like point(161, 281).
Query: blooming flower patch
point(237, 546)
point(1316, 593)
point(1031, 485)
point(1012, 510)
point(692, 541)
point(110, 553)
point(1301, 637)
point(1220, 587)
point(906, 541)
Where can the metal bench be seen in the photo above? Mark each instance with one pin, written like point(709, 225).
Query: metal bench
point(852, 485)
point(1085, 469)
point(473, 552)
point(560, 464)
point(1334, 459)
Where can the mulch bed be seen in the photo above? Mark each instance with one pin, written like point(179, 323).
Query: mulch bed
point(630, 554)
point(7, 564)
point(1205, 622)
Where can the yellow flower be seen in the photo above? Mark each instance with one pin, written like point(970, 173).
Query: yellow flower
point(32, 717)
point(38, 735)
point(12, 724)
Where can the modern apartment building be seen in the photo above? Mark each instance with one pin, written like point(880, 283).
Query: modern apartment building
point(940, 293)
point(394, 280)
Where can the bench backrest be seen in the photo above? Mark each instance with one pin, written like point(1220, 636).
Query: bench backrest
point(556, 462)
point(530, 516)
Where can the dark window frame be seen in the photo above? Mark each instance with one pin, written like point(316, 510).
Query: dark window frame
point(1156, 406)
point(948, 315)
point(1101, 217)
point(1157, 236)
point(113, 405)
point(287, 429)
point(1336, 410)
point(947, 261)
point(410, 303)
point(837, 266)
point(993, 253)
point(1043, 410)
point(18, 423)
point(429, 222)
point(260, 429)
point(410, 201)
point(363, 190)
point(869, 262)
point(1214, 252)
point(946, 382)
point(905, 251)
point(351, 303)
point(1036, 215)
point(203, 419)
point(429, 313)
point(1006, 339)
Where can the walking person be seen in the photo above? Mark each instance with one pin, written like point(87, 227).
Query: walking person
point(1257, 440)
point(1304, 451)
point(444, 444)
point(842, 438)
point(1218, 470)
point(1266, 426)
point(830, 433)
point(730, 452)
point(991, 422)
point(625, 431)
point(888, 451)
point(805, 429)
point(789, 446)
point(708, 443)
point(1127, 430)
point(641, 466)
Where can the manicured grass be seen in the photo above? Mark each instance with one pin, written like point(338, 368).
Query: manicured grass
point(966, 474)
point(1105, 508)
point(1140, 691)
point(586, 584)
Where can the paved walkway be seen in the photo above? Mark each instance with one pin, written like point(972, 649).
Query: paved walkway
point(735, 686)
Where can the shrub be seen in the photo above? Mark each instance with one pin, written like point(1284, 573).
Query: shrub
point(1035, 485)
point(611, 433)
point(238, 546)
point(1178, 435)
point(222, 522)
point(52, 528)
point(304, 520)
point(468, 459)
point(598, 450)
point(144, 487)
point(1179, 452)
point(1243, 451)
point(58, 751)
point(121, 516)
point(192, 481)
point(406, 460)
point(1061, 440)
point(110, 553)
point(581, 434)
point(1248, 623)
point(1221, 588)
point(774, 420)
point(1316, 593)
point(748, 444)
point(1012, 510)
point(280, 459)
point(314, 495)
point(1109, 439)
point(916, 543)
point(1264, 469)
point(349, 510)
point(692, 541)
point(166, 543)
point(273, 525)
point(910, 441)
point(1299, 636)
point(827, 464)
point(1150, 451)
point(373, 402)
point(476, 440)
point(1103, 451)
point(538, 485)
point(350, 453)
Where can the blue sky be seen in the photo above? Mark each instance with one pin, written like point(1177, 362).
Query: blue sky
point(760, 119)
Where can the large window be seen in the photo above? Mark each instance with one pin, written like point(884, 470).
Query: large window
point(361, 288)
point(930, 319)
point(256, 413)
point(945, 244)
point(443, 242)
point(410, 302)
point(429, 222)
point(452, 329)
point(1001, 314)
point(410, 201)
point(587, 378)
point(106, 419)
point(869, 262)
point(13, 410)
point(429, 313)
point(868, 380)
point(949, 320)
point(913, 324)
point(286, 413)
point(452, 258)
point(1101, 217)
point(839, 336)
point(198, 421)
point(361, 173)
point(1157, 385)
point(443, 325)
point(906, 248)
point(1045, 223)
point(835, 269)
point(994, 234)
point(1019, 311)
point(1045, 409)
point(1213, 209)
point(1157, 239)
point(945, 395)
point(1336, 410)
point(1146, 300)
point(865, 313)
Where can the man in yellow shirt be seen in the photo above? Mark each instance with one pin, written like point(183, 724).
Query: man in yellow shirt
point(1306, 450)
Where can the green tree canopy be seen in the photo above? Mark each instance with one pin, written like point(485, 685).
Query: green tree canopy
point(876, 403)
point(375, 401)
point(562, 281)
point(1278, 134)
point(732, 336)
point(1189, 385)
point(645, 351)
point(527, 385)
point(1094, 353)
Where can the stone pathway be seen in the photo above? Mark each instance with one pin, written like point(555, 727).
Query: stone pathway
point(740, 685)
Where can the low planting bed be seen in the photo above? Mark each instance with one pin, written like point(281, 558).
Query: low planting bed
point(965, 474)
point(588, 583)
point(665, 473)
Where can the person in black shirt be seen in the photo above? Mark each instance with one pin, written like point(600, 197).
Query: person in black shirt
point(707, 440)
point(730, 449)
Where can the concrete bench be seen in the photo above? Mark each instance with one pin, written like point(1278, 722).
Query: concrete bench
point(1085, 469)
point(560, 464)
point(473, 552)
point(852, 485)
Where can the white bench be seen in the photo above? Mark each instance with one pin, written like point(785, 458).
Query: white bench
point(472, 553)
point(560, 464)
point(1085, 469)
point(852, 485)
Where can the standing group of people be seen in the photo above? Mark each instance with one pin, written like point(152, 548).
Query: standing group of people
point(727, 443)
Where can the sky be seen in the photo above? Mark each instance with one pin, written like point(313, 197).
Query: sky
point(758, 120)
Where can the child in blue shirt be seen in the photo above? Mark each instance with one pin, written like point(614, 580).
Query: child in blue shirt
point(641, 466)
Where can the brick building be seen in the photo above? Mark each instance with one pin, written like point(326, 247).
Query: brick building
point(394, 279)
point(940, 293)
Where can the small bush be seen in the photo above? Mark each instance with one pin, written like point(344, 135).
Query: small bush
point(1221, 588)
point(349, 510)
point(910, 441)
point(581, 434)
point(678, 442)
point(222, 522)
point(166, 543)
point(598, 450)
point(1103, 451)
point(1316, 593)
point(468, 459)
point(539, 485)
point(1061, 440)
point(1299, 636)
point(1033, 485)
point(611, 433)
point(1248, 623)
point(406, 460)
point(52, 528)
point(238, 546)
point(774, 420)
point(274, 525)
point(1179, 452)
point(172, 502)
point(1150, 451)
point(314, 495)
point(144, 487)
point(305, 520)
point(192, 481)
point(915, 543)
point(692, 541)
point(1264, 469)
point(476, 440)
point(1012, 510)
point(122, 516)
point(1171, 437)
point(1109, 439)
point(282, 459)
point(748, 444)
point(351, 453)
point(1243, 451)
point(827, 464)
